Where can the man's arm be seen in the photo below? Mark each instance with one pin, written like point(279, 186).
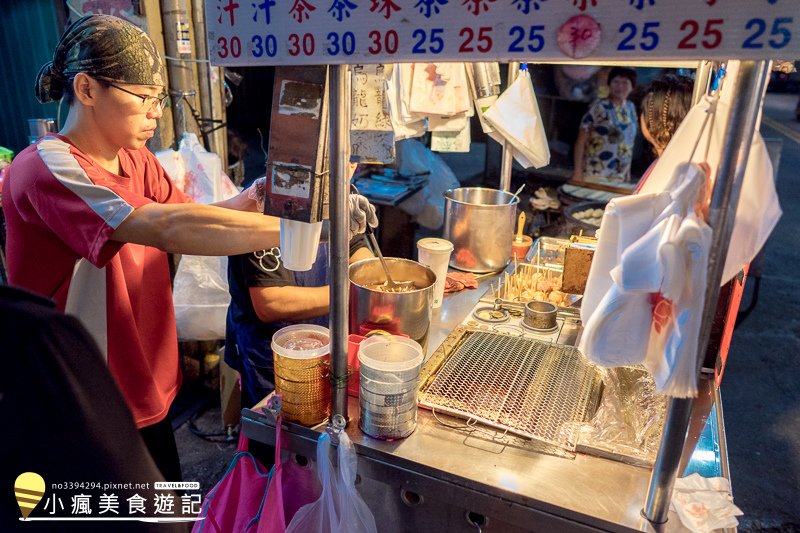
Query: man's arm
point(198, 229)
point(272, 304)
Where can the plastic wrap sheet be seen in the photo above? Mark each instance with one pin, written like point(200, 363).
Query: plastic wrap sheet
point(628, 423)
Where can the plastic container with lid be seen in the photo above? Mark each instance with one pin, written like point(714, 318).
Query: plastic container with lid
point(301, 353)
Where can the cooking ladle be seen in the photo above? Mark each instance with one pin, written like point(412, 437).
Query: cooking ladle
point(393, 286)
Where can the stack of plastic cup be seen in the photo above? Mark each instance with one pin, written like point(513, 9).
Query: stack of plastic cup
point(435, 254)
point(389, 386)
point(299, 244)
point(301, 354)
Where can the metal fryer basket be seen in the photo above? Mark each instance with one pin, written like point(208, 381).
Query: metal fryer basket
point(531, 388)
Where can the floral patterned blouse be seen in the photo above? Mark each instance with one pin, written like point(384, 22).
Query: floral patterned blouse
point(612, 130)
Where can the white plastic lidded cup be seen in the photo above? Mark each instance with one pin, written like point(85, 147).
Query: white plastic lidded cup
point(435, 253)
point(299, 244)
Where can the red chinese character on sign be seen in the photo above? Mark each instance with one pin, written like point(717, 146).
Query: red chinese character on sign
point(231, 8)
point(581, 4)
point(384, 6)
point(476, 6)
point(301, 10)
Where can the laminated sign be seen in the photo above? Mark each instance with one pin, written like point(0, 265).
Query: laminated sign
point(371, 132)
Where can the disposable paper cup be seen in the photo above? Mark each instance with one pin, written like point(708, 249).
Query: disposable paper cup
point(299, 243)
point(435, 253)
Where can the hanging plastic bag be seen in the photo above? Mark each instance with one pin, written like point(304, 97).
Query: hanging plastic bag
point(200, 290)
point(426, 206)
point(354, 515)
point(234, 505)
point(200, 296)
point(758, 210)
point(291, 487)
point(319, 516)
point(515, 115)
point(339, 509)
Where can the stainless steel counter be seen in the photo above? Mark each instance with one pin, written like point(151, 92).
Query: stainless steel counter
point(444, 477)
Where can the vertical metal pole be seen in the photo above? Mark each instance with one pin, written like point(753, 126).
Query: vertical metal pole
point(339, 215)
point(508, 151)
point(180, 72)
point(727, 187)
point(206, 87)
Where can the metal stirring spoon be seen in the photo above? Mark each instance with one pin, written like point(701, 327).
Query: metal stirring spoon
point(393, 285)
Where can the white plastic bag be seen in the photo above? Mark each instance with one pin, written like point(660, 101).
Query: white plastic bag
point(339, 509)
point(758, 210)
point(201, 298)
point(426, 206)
point(354, 515)
point(515, 115)
point(200, 291)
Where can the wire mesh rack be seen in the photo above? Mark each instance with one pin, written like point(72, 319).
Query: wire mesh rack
point(534, 389)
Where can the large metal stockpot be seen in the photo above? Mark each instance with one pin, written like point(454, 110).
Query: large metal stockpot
point(480, 224)
point(396, 312)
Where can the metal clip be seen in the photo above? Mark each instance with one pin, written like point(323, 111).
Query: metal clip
point(274, 406)
point(336, 426)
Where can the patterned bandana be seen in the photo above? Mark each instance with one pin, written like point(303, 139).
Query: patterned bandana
point(105, 47)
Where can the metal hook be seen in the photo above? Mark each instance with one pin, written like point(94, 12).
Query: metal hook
point(274, 406)
point(335, 427)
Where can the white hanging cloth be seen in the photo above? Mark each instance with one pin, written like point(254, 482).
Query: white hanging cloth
point(515, 116)
point(758, 210)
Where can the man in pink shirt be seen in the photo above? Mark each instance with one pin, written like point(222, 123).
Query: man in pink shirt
point(91, 216)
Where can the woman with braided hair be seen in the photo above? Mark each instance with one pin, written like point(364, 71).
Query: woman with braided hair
point(666, 101)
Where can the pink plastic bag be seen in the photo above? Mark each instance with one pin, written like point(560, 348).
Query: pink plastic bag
point(234, 505)
point(291, 487)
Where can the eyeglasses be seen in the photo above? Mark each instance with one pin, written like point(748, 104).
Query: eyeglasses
point(149, 103)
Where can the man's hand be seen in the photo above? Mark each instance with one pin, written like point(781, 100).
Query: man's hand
point(361, 213)
point(257, 191)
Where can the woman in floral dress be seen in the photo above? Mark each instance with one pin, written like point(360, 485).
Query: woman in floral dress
point(604, 148)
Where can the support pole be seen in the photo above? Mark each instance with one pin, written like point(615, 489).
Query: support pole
point(748, 89)
point(508, 151)
point(209, 85)
point(339, 218)
point(181, 76)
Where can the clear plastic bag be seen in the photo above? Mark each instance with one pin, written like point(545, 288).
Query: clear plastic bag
point(339, 509)
point(200, 296)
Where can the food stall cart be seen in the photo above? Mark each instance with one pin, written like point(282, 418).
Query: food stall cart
point(450, 475)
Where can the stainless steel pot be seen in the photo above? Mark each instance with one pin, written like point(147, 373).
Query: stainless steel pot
point(396, 312)
point(480, 224)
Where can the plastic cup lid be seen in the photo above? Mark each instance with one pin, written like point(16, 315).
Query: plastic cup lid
point(436, 245)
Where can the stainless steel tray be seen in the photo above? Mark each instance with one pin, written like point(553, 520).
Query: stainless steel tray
point(534, 389)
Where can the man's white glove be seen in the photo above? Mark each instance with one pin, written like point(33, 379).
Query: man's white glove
point(361, 213)
point(256, 192)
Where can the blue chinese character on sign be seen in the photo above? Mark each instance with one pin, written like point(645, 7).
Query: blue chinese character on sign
point(525, 5)
point(384, 6)
point(428, 7)
point(639, 4)
point(341, 9)
point(263, 6)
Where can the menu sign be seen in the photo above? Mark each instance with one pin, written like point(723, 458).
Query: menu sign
point(278, 32)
